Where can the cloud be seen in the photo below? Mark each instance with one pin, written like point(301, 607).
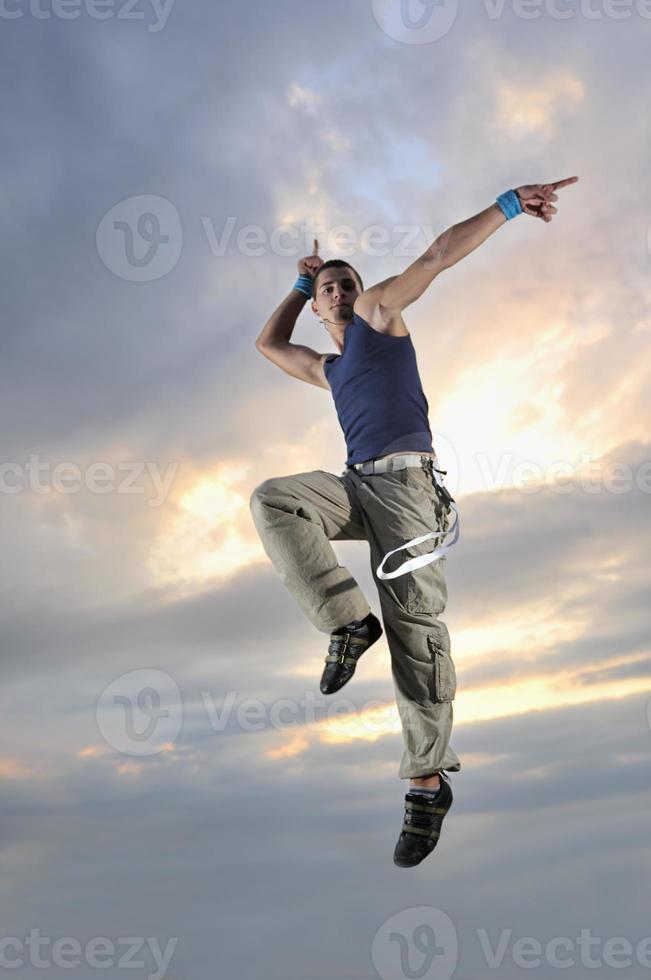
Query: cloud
point(303, 98)
point(526, 110)
point(536, 345)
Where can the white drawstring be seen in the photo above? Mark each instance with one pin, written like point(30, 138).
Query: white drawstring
point(420, 560)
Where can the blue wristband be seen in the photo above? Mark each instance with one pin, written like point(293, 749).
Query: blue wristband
point(510, 205)
point(304, 285)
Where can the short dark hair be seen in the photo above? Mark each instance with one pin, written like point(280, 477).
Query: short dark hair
point(336, 264)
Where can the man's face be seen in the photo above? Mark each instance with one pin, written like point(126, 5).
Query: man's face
point(337, 289)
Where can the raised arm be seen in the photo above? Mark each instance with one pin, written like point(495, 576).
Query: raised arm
point(274, 341)
point(394, 294)
point(279, 327)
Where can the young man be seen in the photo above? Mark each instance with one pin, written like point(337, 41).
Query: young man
point(386, 495)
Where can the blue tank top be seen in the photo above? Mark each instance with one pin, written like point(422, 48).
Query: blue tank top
point(378, 395)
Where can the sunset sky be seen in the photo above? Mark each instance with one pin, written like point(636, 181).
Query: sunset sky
point(162, 174)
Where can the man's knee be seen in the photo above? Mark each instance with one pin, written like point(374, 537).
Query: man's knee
point(264, 491)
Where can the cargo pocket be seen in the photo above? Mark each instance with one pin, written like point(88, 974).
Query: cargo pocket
point(444, 674)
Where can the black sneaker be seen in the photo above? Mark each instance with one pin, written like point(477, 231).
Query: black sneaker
point(346, 647)
point(422, 825)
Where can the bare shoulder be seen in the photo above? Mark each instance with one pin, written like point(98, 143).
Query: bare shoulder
point(368, 306)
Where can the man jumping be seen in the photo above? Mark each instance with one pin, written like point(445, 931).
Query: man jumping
point(386, 495)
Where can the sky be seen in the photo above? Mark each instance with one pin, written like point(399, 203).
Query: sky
point(178, 799)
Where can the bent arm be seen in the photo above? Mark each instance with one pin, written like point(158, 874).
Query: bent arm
point(279, 327)
point(452, 245)
point(274, 343)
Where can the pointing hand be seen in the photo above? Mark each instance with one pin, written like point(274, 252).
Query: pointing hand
point(310, 265)
point(535, 199)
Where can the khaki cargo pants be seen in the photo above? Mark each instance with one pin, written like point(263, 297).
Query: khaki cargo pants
point(298, 516)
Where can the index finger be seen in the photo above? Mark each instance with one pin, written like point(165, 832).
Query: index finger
point(563, 183)
point(315, 247)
